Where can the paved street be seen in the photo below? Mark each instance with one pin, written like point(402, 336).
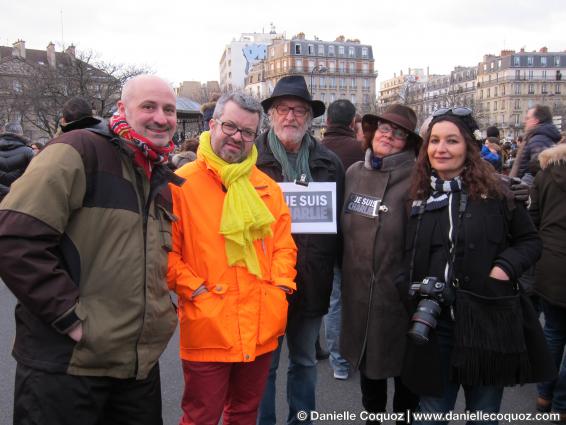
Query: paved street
point(333, 396)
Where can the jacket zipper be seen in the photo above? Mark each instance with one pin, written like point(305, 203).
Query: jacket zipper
point(364, 343)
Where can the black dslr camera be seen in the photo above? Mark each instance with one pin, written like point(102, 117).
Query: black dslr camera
point(434, 296)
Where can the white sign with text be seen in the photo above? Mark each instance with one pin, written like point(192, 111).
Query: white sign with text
point(313, 207)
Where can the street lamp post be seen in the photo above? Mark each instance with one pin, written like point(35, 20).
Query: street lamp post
point(320, 69)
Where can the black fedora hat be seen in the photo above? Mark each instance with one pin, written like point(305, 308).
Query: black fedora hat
point(294, 86)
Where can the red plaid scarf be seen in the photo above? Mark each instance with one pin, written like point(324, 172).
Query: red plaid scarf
point(146, 153)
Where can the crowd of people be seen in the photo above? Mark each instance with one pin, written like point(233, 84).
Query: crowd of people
point(421, 283)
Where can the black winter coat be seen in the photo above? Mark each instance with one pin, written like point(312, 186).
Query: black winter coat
point(317, 253)
point(542, 137)
point(548, 211)
point(15, 156)
point(491, 234)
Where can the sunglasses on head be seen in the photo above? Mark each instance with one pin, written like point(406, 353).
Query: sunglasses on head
point(460, 111)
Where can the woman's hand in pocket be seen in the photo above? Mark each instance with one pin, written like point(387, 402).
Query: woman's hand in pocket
point(498, 273)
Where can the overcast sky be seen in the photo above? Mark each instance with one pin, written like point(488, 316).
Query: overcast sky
point(184, 40)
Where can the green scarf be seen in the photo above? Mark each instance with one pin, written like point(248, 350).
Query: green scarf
point(292, 172)
point(245, 217)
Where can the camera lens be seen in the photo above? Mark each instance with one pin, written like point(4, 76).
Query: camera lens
point(424, 319)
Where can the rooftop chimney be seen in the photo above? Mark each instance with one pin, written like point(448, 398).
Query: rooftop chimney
point(70, 50)
point(19, 49)
point(51, 55)
point(543, 50)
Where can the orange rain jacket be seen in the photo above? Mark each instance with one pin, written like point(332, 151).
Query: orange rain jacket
point(241, 316)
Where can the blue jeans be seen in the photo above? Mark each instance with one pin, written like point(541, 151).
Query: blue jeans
point(484, 398)
point(301, 374)
point(555, 334)
point(332, 325)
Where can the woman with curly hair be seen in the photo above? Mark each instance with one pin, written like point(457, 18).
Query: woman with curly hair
point(467, 243)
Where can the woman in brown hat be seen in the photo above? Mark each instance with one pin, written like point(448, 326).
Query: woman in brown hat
point(374, 321)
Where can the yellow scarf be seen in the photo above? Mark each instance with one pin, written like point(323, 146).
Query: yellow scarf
point(245, 217)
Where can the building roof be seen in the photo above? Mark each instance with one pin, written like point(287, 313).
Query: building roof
point(184, 104)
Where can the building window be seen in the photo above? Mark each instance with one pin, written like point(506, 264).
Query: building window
point(365, 68)
point(495, 106)
point(332, 66)
point(352, 67)
point(285, 47)
point(342, 83)
point(488, 106)
point(543, 88)
point(322, 84)
point(543, 61)
point(331, 82)
point(495, 92)
point(311, 65)
point(516, 61)
point(353, 83)
point(503, 90)
point(321, 49)
point(366, 83)
point(488, 92)
point(310, 48)
point(341, 50)
point(297, 49)
point(517, 74)
point(556, 60)
point(558, 75)
point(331, 51)
point(353, 99)
point(491, 66)
point(531, 88)
point(272, 52)
point(332, 97)
point(299, 64)
point(557, 88)
point(285, 65)
point(366, 99)
point(351, 52)
point(364, 52)
point(517, 88)
point(530, 60)
point(271, 66)
point(341, 66)
point(517, 104)
point(544, 74)
point(530, 74)
point(499, 64)
point(517, 122)
point(322, 97)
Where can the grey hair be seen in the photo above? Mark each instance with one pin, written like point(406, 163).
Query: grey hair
point(243, 100)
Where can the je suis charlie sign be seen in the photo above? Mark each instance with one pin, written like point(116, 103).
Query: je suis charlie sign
point(313, 207)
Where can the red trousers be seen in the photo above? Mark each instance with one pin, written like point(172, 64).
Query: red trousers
point(230, 390)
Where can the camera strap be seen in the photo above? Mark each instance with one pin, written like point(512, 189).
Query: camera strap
point(452, 251)
point(454, 240)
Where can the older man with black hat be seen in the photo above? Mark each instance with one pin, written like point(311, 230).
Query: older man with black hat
point(287, 152)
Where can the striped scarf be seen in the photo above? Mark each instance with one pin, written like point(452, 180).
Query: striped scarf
point(439, 196)
point(146, 152)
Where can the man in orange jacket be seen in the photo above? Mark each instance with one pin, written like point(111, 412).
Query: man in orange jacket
point(232, 264)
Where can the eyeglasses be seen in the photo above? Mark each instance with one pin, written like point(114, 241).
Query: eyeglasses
point(298, 111)
point(230, 129)
point(397, 133)
point(460, 111)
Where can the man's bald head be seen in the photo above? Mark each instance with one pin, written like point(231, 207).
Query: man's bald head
point(148, 105)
